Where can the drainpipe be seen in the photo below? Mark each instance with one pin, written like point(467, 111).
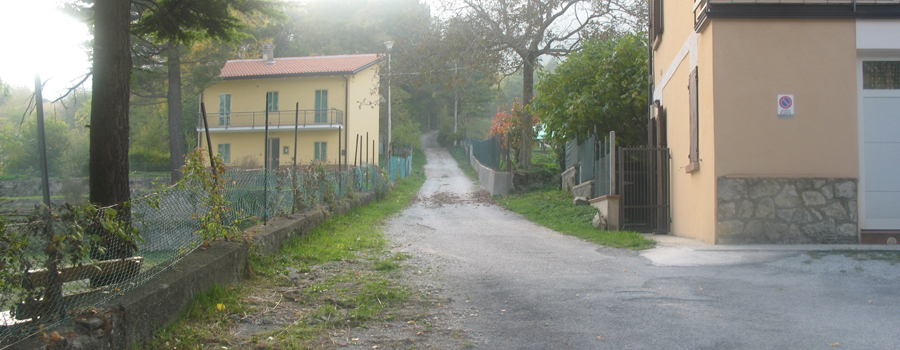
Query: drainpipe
point(346, 116)
point(650, 81)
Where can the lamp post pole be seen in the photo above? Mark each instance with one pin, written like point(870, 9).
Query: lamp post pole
point(389, 45)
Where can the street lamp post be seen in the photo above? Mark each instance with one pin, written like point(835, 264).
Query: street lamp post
point(389, 45)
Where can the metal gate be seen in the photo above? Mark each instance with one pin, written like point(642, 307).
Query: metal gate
point(643, 183)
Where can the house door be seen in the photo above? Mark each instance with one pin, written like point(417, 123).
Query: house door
point(274, 147)
point(880, 145)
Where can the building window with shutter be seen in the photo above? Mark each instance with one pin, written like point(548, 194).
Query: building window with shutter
point(272, 101)
point(656, 22)
point(321, 151)
point(321, 106)
point(225, 152)
point(694, 154)
point(224, 109)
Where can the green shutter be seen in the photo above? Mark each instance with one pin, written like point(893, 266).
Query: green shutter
point(225, 152)
point(321, 152)
point(224, 109)
point(321, 106)
point(272, 101)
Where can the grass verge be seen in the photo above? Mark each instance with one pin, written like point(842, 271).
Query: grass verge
point(554, 209)
point(891, 257)
point(339, 276)
point(459, 154)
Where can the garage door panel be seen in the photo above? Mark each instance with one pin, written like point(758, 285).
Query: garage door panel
point(882, 119)
point(883, 205)
point(882, 166)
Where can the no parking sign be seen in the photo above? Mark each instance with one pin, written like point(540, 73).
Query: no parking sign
point(785, 106)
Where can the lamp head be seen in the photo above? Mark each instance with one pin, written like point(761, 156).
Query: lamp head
point(389, 44)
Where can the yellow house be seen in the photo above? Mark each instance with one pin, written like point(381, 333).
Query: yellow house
point(315, 106)
point(782, 118)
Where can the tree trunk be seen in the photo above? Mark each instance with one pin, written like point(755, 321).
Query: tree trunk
point(176, 119)
point(527, 94)
point(109, 117)
point(109, 107)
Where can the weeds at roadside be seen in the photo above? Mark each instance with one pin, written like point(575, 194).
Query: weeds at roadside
point(553, 209)
point(459, 154)
point(891, 257)
point(316, 290)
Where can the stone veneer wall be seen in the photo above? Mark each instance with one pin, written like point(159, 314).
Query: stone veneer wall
point(568, 178)
point(786, 210)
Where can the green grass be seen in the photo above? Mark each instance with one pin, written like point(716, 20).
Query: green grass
point(891, 257)
point(363, 291)
point(553, 209)
point(459, 154)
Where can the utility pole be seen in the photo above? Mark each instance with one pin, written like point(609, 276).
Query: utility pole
point(389, 45)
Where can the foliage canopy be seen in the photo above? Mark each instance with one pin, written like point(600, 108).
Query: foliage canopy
point(603, 85)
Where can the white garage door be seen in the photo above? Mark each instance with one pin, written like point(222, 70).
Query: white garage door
point(880, 107)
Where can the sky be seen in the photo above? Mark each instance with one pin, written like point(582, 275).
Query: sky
point(36, 38)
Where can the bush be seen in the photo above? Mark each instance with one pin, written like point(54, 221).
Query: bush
point(446, 136)
point(149, 161)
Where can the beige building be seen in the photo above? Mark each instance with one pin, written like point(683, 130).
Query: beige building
point(316, 107)
point(782, 118)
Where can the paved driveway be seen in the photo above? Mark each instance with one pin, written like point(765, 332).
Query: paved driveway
point(517, 285)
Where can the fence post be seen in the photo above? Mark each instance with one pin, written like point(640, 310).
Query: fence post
point(612, 163)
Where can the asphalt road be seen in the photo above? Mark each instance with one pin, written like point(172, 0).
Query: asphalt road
point(517, 285)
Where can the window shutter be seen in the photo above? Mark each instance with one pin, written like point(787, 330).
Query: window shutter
point(656, 22)
point(317, 151)
point(324, 151)
point(224, 109)
point(695, 135)
point(272, 101)
point(661, 129)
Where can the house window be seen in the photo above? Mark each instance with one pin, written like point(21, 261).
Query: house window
point(881, 75)
point(272, 101)
point(656, 22)
point(321, 151)
point(694, 154)
point(225, 152)
point(224, 109)
point(321, 106)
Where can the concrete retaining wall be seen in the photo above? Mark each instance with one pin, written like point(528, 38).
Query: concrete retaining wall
point(135, 317)
point(494, 181)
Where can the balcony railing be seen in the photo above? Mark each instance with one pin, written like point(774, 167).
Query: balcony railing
point(255, 120)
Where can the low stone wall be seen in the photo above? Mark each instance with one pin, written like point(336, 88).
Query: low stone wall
point(270, 238)
point(786, 210)
point(495, 182)
point(135, 317)
point(584, 189)
point(568, 178)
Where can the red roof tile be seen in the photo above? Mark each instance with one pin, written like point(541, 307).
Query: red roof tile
point(297, 66)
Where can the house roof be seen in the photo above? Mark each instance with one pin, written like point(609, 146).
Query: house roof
point(284, 67)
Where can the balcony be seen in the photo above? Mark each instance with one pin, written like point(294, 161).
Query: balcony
point(305, 118)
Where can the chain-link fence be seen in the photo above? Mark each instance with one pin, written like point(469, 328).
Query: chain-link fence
point(57, 264)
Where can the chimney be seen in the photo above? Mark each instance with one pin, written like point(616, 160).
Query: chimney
point(268, 51)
